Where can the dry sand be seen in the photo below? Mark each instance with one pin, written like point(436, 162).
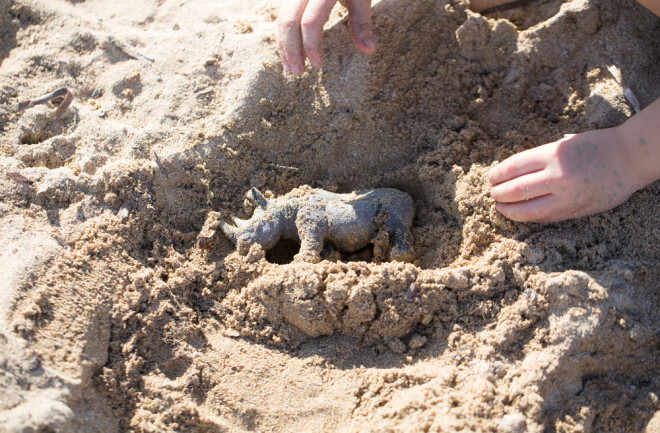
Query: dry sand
point(112, 319)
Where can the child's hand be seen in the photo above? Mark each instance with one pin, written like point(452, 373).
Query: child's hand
point(573, 177)
point(300, 27)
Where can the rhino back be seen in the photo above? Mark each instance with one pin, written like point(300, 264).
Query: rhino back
point(350, 217)
point(351, 226)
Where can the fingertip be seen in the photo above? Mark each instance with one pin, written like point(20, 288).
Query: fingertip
point(509, 211)
point(505, 211)
point(498, 207)
point(359, 17)
point(363, 39)
point(495, 194)
point(491, 176)
point(540, 209)
point(313, 53)
point(286, 67)
point(367, 46)
point(497, 175)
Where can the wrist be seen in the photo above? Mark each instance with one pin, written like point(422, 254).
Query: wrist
point(639, 148)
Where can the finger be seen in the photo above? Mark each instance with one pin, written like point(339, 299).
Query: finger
point(290, 35)
point(285, 62)
point(359, 19)
point(519, 164)
point(539, 209)
point(526, 187)
point(315, 16)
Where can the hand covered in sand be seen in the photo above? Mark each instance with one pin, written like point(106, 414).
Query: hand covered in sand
point(570, 178)
point(300, 29)
point(582, 174)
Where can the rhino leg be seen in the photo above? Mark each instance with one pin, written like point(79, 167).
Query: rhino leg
point(312, 228)
point(309, 252)
point(402, 249)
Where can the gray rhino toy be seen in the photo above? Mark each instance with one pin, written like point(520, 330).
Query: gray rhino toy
point(311, 216)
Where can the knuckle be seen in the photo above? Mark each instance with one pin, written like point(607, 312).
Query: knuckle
point(514, 166)
point(310, 23)
point(495, 194)
point(495, 176)
point(363, 27)
point(285, 25)
point(519, 190)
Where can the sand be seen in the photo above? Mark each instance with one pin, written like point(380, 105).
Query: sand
point(112, 319)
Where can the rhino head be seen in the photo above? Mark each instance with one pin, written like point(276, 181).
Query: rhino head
point(262, 228)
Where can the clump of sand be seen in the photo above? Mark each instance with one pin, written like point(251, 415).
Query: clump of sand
point(112, 318)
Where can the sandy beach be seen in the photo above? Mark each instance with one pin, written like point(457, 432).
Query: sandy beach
point(113, 319)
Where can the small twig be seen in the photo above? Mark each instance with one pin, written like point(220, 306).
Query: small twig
point(160, 165)
point(284, 167)
point(129, 51)
point(61, 93)
point(627, 92)
point(630, 96)
point(19, 178)
point(59, 111)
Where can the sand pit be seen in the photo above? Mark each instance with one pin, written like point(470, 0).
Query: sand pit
point(112, 319)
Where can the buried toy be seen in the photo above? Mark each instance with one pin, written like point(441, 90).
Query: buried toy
point(348, 222)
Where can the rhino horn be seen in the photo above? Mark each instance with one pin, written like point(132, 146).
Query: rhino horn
point(258, 198)
point(239, 222)
point(229, 230)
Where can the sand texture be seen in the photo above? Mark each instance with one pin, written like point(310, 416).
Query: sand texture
point(112, 319)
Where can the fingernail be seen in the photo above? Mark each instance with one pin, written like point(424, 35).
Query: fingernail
point(287, 67)
point(295, 69)
point(368, 43)
point(316, 63)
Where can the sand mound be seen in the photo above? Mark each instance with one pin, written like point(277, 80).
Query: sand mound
point(112, 319)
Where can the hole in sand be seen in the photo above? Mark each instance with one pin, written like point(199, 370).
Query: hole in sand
point(286, 249)
point(283, 252)
point(35, 137)
point(365, 254)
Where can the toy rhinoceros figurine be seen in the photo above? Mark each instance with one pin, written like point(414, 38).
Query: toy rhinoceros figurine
point(310, 216)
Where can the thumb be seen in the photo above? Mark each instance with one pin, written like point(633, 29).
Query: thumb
point(359, 19)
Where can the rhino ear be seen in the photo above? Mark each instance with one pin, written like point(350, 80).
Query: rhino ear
point(258, 198)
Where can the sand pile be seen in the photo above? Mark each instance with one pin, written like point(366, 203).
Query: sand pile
point(112, 319)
